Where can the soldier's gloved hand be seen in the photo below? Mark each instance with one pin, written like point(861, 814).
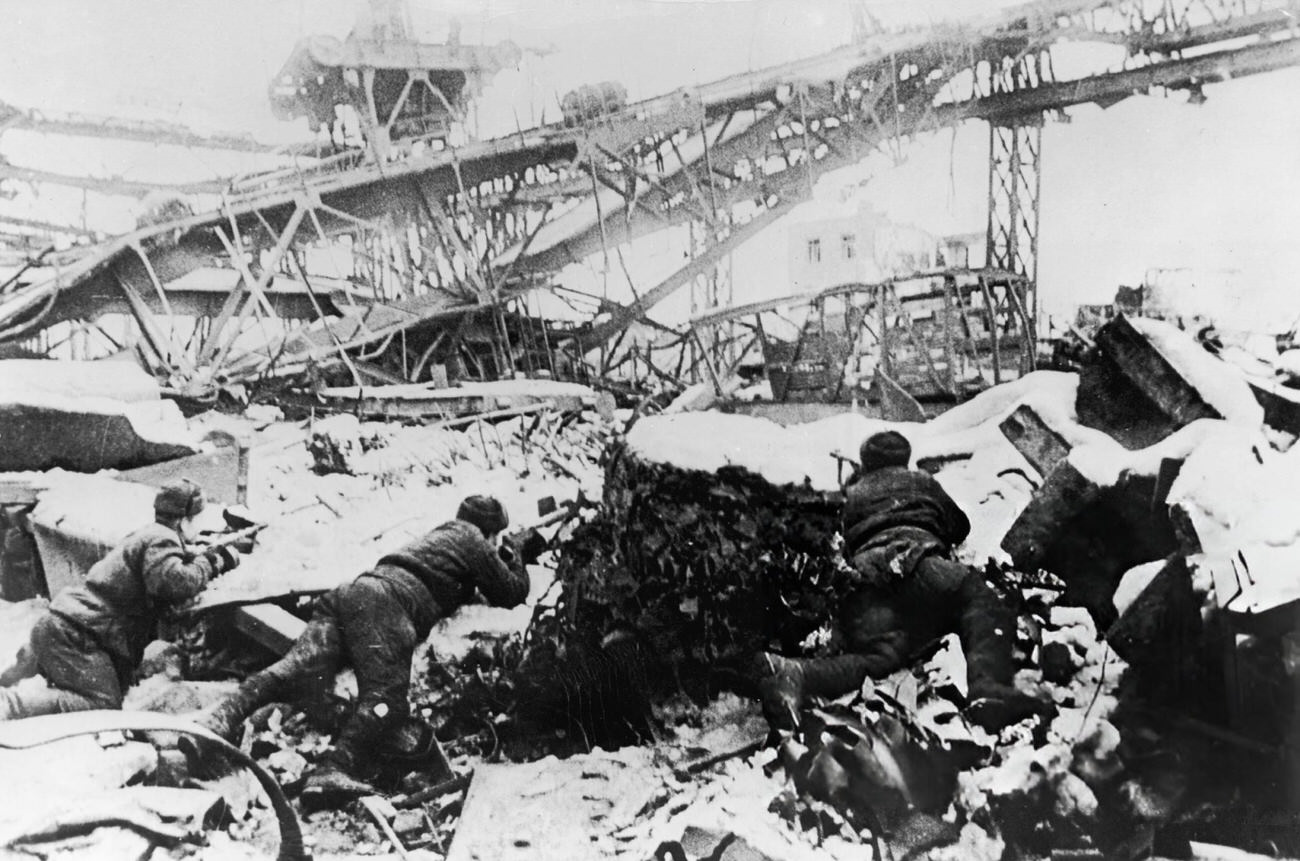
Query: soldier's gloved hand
point(223, 559)
point(527, 544)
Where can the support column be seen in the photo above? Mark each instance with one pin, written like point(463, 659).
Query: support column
point(1015, 152)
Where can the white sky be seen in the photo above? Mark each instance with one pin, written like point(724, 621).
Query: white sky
point(1152, 182)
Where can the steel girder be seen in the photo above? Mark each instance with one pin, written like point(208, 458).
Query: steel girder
point(462, 231)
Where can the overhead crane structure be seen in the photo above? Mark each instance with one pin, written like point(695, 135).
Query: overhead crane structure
point(444, 243)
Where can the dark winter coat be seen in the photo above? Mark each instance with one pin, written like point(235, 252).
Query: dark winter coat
point(896, 505)
point(125, 593)
point(453, 560)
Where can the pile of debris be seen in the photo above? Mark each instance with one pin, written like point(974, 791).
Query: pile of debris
point(326, 518)
point(1135, 515)
point(1149, 486)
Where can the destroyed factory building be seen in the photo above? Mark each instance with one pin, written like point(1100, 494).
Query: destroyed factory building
point(282, 446)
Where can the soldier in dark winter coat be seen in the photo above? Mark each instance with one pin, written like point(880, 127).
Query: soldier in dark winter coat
point(374, 624)
point(91, 642)
point(900, 528)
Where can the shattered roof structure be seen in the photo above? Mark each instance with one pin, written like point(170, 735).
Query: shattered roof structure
point(437, 234)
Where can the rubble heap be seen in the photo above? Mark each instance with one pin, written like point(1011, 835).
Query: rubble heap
point(1151, 490)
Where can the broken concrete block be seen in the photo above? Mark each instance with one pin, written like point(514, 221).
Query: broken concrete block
point(1089, 534)
point(221, 469)
point(1043, 447)
point(1134, 583)
point(1107, 401)
point(1138, 359)
point(1150, 379)
point(85, 416)
point(1064, 494)
point(90, 434)
point(1157, 631)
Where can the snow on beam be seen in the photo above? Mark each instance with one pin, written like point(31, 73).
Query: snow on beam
point(85, 416)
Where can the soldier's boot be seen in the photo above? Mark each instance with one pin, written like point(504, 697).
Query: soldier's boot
point(226, 718)
point(335, 779)
point(784, 682)
point(987, 632)
point(367, 735)
point(308, 668)
point(413, 746)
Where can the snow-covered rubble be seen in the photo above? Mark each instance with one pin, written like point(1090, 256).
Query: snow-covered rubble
point(340, 492)
point(325, 529)
point(982, 471)
point(125, 382)
point(1219, 383)
point(86, 416)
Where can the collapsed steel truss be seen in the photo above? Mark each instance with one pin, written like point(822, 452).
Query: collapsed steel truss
point(442, 248)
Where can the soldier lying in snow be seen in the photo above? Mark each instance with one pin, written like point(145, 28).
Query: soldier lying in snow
point(900, 527)
point(92, 640)
point(374, 624)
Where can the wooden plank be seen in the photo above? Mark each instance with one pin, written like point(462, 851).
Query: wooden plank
point(269, 625)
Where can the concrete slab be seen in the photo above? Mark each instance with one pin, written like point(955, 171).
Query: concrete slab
point(1043, 447)
point(85, 416)
point(1139, 361)
point(1065, 493)
point(89, 434)
point(222, 472)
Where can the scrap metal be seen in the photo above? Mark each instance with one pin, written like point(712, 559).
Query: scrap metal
point(450, 237)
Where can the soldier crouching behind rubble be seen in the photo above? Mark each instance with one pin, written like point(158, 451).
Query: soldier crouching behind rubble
point(900, 527)
point(374, 624)
point(91, 642)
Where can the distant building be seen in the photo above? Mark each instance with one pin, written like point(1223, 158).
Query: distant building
point(864, 247)
point(962, 251)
